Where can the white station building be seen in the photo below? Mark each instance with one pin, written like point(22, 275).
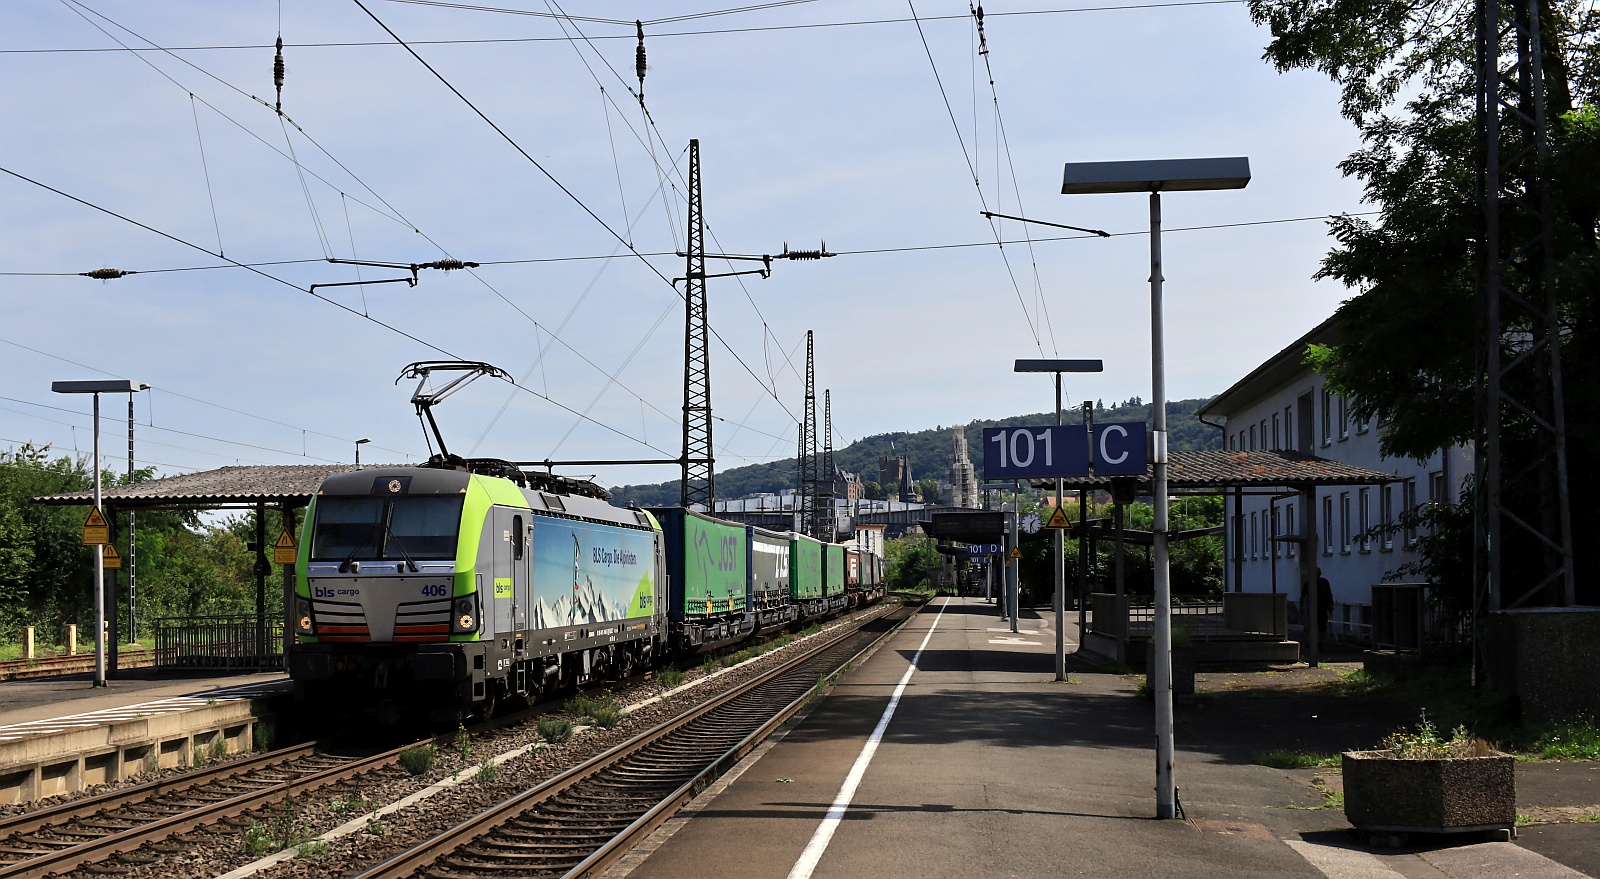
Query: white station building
point(1283, 405)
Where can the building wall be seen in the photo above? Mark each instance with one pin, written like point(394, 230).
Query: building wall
point(1302, 416)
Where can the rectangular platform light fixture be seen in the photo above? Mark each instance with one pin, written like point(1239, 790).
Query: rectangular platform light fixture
point(1155, 175)
point(106, 386)
point(1060, 366)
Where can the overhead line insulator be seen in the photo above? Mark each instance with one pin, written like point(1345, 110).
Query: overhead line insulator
point(277, 74)
point(107, 274)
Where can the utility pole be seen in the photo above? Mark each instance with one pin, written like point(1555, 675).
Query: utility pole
point(698, 488)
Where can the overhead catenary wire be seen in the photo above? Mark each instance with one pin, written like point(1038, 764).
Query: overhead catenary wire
point(873, 22)
point(165, 390)
point(910, 248)
point(394, 214)
point(553, 179)
point(972, 169)
point(390, 327)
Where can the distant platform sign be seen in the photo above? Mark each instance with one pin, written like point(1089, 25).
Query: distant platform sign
point(984, 549)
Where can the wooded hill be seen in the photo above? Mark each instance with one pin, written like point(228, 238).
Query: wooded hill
point(928, 451)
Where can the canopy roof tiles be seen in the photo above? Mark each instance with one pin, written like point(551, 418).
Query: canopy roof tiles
point(275, 484)
point(1222, 468)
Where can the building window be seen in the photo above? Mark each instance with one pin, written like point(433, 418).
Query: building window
point(1288, 519)
point(1233, 443)
point(1436, 490)
point(1344, 420)
point(1242, 446)
point(1277, 519)
point(1327, 417)
point(1344, 521)
point(1288, 426)
point(1386, 516)
point(1408, 504)
point(1362, 425)
point(1327, 525)
point(1252, 437)
point(1254, 535)
point(1364, 517)
point(1277, 441)
point(1264, 445)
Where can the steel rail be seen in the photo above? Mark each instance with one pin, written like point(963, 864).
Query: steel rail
point(46, 666)
point(60, 813)
point(429, 852)
point(94, 850)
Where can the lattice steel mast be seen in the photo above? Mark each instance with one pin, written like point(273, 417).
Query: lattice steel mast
point(808, 448)
point(828, 521)
point(698, 486)
point(1519, 360)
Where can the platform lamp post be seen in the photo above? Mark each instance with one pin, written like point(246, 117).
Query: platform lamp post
point(359, 443)
point(114, 386)
point(1155, 177)
point(1058, 367)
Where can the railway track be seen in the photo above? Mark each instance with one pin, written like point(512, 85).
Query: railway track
point(579, 822)
point(49, 666)
point(69, 835)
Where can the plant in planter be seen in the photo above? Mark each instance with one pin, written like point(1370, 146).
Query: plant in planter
point(1422, 781)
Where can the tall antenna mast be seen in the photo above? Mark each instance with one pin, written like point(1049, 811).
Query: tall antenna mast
point(698, 487)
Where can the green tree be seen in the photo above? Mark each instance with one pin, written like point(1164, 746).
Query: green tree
point(1409, 338)
point(911, 563)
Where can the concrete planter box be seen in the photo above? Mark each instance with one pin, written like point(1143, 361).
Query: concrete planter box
point(1449, 795)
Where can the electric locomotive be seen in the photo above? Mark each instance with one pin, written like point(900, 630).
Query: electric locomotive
point(440, 588)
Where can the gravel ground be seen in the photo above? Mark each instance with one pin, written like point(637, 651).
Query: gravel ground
point(220, 848)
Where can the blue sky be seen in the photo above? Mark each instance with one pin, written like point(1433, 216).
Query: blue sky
point(808, 133)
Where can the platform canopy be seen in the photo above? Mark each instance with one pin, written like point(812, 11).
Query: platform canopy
point(275, 485)
point(1223, 468)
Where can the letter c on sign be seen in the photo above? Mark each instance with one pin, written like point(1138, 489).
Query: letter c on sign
point(1105, 455)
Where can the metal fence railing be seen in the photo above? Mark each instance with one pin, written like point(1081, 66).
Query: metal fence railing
point(223, 642)
point(1200, 619)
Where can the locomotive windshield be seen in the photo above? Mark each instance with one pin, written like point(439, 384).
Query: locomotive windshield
point(363, 527)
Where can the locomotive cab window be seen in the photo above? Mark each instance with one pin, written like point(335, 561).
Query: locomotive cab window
point(517, 537)
point(361, 528)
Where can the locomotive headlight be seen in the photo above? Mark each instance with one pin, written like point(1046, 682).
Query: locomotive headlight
point(465, 618)
point(302, 612)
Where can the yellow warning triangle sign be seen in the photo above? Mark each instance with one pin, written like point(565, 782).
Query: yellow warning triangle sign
point(284, 550)
point(109, 556)
point(1016, 553)
point(1058, 519)
point(95, 529)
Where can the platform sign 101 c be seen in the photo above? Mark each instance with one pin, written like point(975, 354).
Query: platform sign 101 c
point(1118, 449)
point(1035, 452)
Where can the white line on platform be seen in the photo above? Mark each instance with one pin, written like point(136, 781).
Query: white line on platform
point(807, 864)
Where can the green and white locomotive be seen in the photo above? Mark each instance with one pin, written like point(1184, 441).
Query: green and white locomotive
point(446, 587)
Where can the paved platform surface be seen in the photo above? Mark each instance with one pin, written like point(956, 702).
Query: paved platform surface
point(43, 703)
point(990, 768)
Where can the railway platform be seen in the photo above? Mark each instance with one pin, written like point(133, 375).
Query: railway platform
point(953, 752)
point(60, 735)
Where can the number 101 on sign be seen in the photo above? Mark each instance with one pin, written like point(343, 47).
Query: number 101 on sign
point(1035, 452)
